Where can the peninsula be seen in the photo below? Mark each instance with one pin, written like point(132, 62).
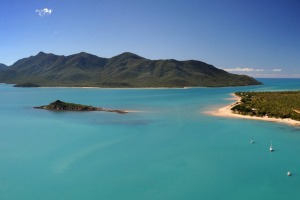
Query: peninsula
point(283, 107)
point(126, 70)
point(64, 106)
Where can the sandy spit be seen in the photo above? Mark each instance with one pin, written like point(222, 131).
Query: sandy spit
point(227, 112)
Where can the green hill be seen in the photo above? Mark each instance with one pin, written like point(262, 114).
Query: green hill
point(2, 66)
point(124, 70)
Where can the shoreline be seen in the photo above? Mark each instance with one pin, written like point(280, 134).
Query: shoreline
point(227, 112)
point(107, 88)
point(130, 88)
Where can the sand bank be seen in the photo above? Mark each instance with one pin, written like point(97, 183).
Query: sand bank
point(227, 112)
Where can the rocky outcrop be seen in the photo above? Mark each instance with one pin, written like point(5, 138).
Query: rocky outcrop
point(64, 106)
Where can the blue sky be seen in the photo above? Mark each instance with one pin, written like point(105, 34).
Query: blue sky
point(260, 38)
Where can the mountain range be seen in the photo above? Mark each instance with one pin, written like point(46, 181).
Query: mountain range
point(124, 70)
point(2, 66)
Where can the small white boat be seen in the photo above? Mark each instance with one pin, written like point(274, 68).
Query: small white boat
point(271, 147)
point(289, 174)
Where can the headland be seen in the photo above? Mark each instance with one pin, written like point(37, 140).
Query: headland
point(227, 111)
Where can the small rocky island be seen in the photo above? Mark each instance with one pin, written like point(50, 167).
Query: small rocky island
point(64, 106)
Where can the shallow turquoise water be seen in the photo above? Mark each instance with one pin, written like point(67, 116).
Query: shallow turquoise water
point(171, 150)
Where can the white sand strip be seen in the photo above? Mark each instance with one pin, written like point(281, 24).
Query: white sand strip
point(227, 112)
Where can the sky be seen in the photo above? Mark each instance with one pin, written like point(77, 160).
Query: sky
point(260, 38)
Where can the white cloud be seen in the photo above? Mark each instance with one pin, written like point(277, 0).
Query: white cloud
point(261, 73)
point(44, 11)
point(246, 69)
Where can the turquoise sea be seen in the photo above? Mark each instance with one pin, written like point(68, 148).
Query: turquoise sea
point(170, 150)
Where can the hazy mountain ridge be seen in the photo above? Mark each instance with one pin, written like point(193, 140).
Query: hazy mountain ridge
point(2, 66)
point(124, 70)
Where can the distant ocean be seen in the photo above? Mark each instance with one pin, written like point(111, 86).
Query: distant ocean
point(170, 150)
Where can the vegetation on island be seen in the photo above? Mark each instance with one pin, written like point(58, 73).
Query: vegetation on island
point(283, 104)
point(65, 106)
point(126, 70)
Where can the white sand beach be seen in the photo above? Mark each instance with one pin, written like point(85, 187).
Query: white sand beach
point(227, 112)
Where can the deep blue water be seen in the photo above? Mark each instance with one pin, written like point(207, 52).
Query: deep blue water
point(169, 150)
